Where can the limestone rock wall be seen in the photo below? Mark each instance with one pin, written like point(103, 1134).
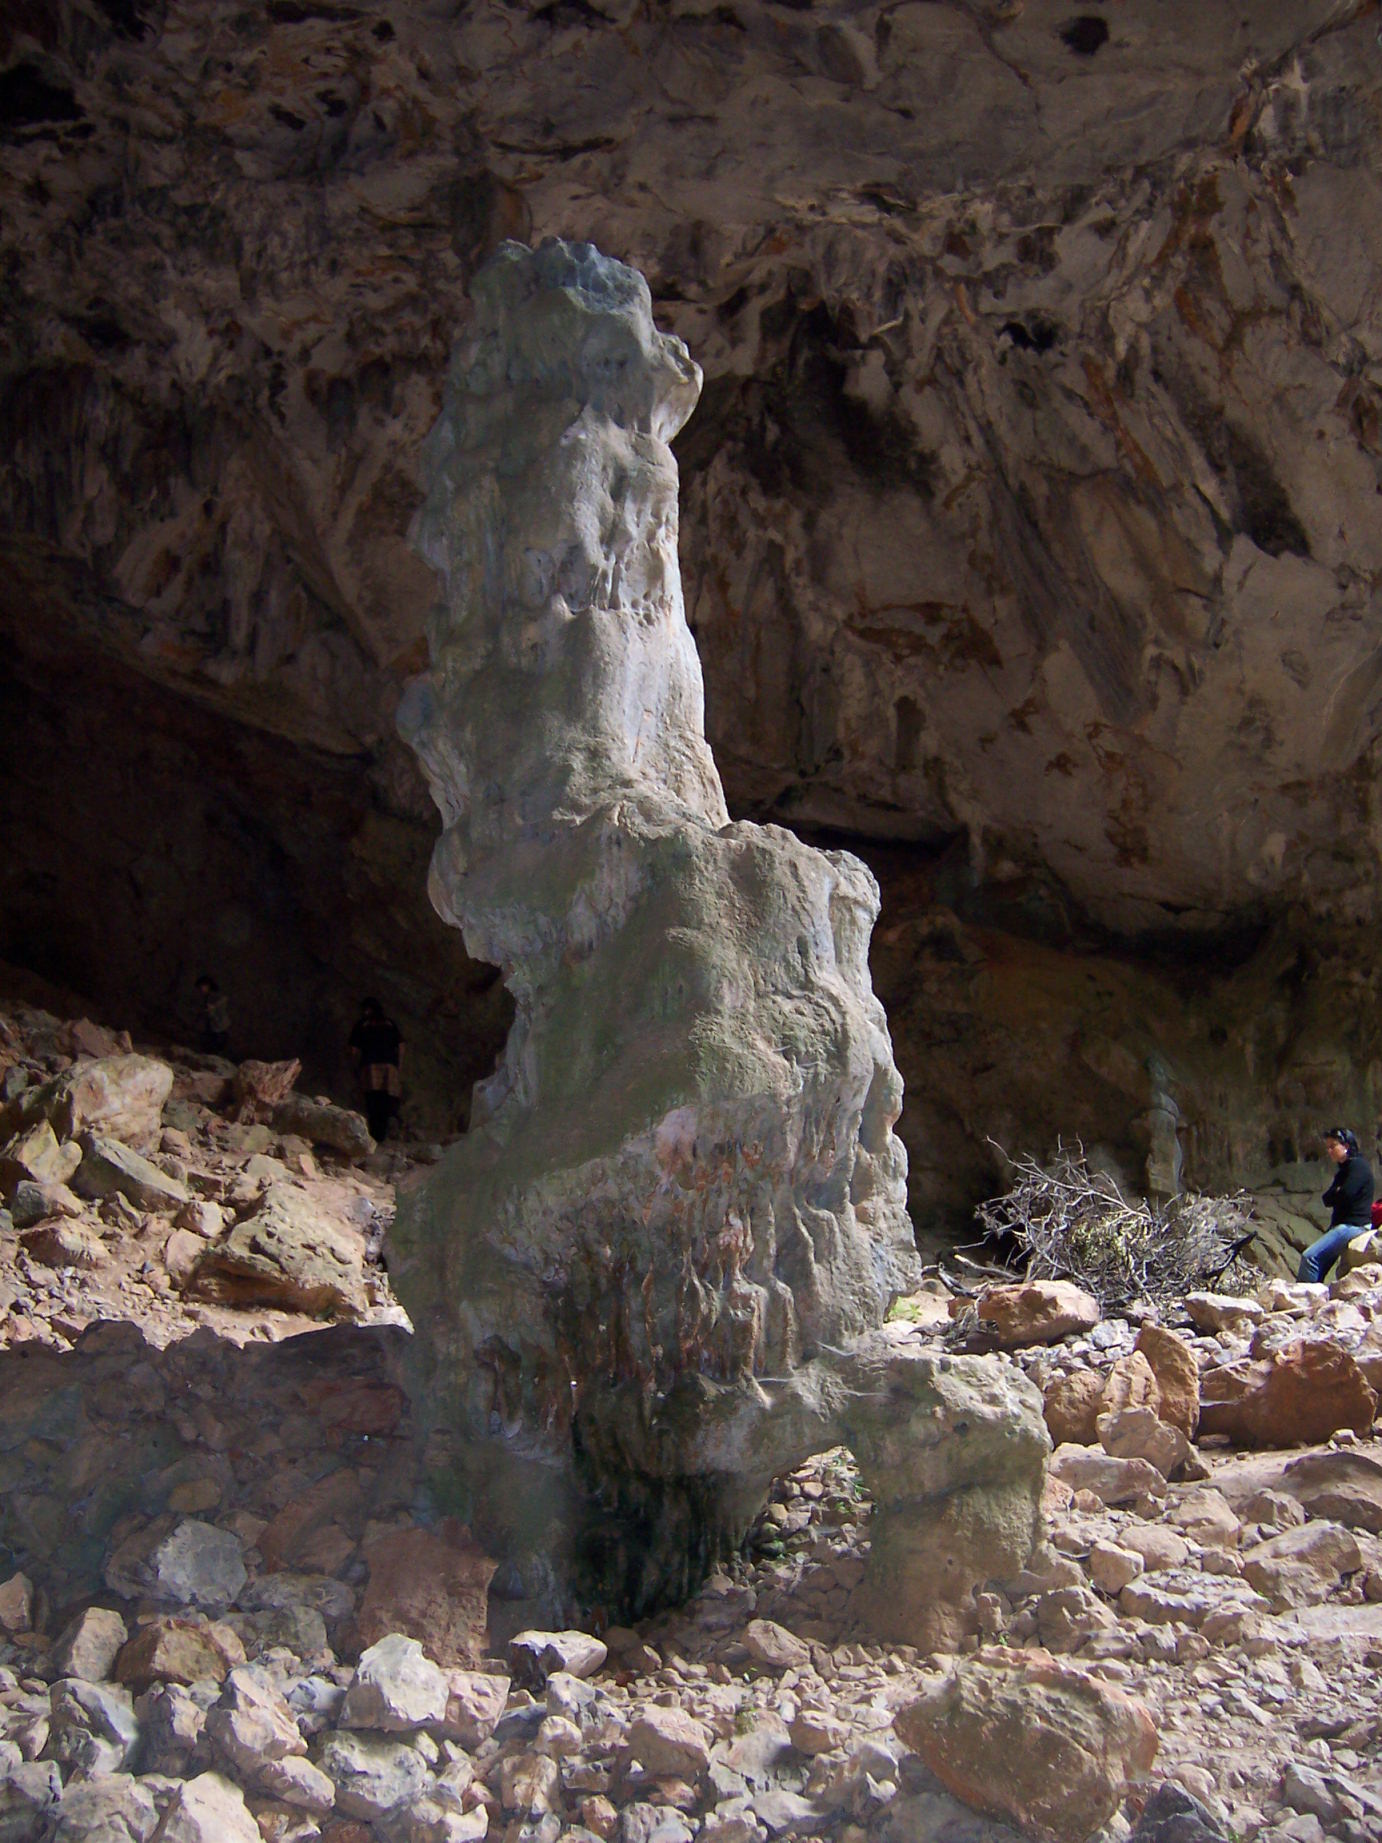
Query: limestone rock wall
point(1029, 516)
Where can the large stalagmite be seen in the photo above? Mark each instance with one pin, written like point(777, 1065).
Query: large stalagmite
point(653, 1274)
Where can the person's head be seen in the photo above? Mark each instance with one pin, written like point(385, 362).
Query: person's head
point(371, 1007)
point(207, 985)
point(1340, 1144)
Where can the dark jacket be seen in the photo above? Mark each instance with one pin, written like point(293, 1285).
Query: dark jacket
point(1350, 1195)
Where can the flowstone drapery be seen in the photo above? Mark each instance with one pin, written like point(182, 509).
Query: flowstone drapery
point(653, 1274)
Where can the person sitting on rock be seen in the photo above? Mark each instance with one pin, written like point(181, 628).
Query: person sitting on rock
point(215, 1016)
point(376, 1049)
point(1350, 1202)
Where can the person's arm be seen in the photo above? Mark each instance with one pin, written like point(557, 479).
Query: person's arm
point(1355, 1185)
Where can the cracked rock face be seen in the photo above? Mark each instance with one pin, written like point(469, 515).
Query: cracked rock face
point(1029, 519)
point(683, 1178)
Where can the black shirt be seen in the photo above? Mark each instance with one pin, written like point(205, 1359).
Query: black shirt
point(1350, 1195)
point(376, 1040)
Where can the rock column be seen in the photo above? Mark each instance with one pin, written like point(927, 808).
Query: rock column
point(640, 1282)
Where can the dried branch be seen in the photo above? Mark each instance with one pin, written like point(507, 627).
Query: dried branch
point(1072, 1223)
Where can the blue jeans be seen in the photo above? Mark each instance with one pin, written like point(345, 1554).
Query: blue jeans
point(1320, 1256)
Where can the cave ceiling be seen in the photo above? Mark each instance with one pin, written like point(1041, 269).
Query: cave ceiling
point(1030, 514)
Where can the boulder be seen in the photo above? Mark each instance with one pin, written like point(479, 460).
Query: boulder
point(113, 1097)
point(251, 1724)
point(1131, 1383)
point(1035, 1312)
point(36, 1156)
point(1300, 1567)
point(1139, 1433)
point(1177, 1374)
point(87, 1647)
point(109, 1168)
point(288, 1253)
point(1072, 1406)
point(432, 1585)
point(396, 1687)
point(189, 1564)
point(474, 1703)
point(169, 1650)
point(668, 1743)
point(1173, 1815)
point(372, 1774)
point(259, 1087)
point(1215, 1312)
point(1112, 1480)
point(535, 1656)
point(1038, 1743)
point(207, 1809)
point(115, 1808)
point(324, 1123)
point(1299, 1396)
point(773, 1647)
point(92, 1727)
point(1343, 1486)
point(59, 1243)
point(16, 1604)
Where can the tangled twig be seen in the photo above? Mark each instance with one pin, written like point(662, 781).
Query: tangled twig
point(1072, 1223)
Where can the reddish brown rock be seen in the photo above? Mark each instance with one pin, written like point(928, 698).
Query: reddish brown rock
point(178, 1651)
point(1072, 1407)
point(1131, 1384)
point(1040, 1744)
point(432, 1585)
point(1177, 1376)
point(261, 1086)
point(1036, 1312)
point(1300, 1396)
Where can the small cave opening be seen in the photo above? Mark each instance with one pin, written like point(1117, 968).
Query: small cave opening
point(1085, 35)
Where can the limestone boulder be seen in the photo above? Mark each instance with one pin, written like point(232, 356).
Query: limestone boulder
point(112, 1097)
point(1302, 1566)
point(208, 1809)
point(87, 1647)
point(1177, 1374)
point(1071, 1407)
point(171, 1650)
point(1040, 1744)
point(373, 1774)
point(1301, 1395)
point(396, 1688)
point(1036, 1312)
point(289, 1252)
point(431, 1585)
point(1343, 1486)
point(36, 1155)
point(1140, 1433)
point(186, 1563)
point(340, 1129)
point(1112, 1479)
point(114, 1807)
point(109, 1168)
point(59, 1243)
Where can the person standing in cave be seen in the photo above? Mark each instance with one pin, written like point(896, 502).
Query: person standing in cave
point(376, 1049)
point(215, 1016)
point(1349, 1198)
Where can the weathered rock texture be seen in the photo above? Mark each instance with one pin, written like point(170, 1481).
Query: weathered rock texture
point(1030, 521)
point(682, 1186)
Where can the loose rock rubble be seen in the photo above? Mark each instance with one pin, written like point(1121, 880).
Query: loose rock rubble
point(223, 1615)
point(164, 1186)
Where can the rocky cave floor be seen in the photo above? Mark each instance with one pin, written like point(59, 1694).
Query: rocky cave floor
point(206, 1516)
